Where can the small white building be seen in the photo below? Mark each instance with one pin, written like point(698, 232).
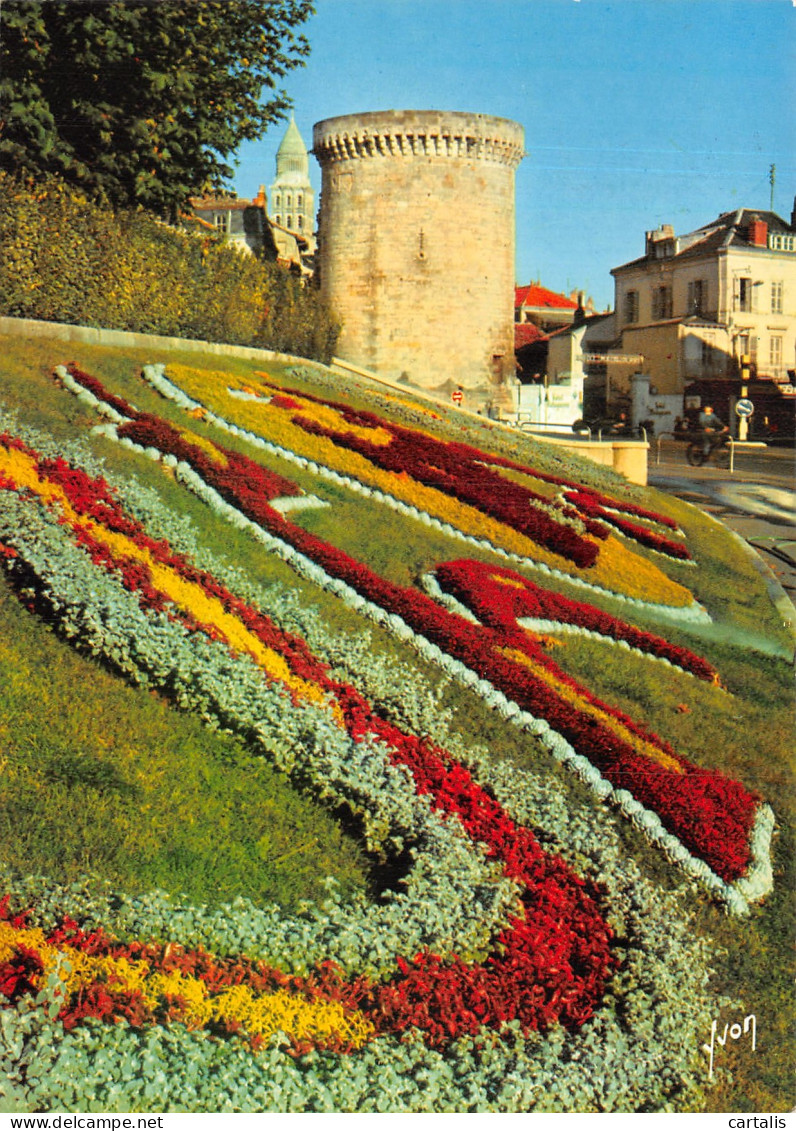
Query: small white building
point(557, 397)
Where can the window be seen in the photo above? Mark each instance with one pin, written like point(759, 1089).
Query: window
point(782, 243)
point(278, 200)
point(775, 351)
point(747, 346)
point(743, 294)
point(662, 302)
point(697, 296)
point(301, 223)
point(289, 222)
point(278, 219)
point(776, 298)
point(708, 352)
point(299, 201)
point(631, 306)
point(221, 221)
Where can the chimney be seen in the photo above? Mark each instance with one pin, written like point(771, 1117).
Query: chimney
point(757, 232)
point(259, 199)
point(661, 241)
point(579, 317)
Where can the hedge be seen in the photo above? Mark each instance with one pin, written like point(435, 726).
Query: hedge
point(66, 259)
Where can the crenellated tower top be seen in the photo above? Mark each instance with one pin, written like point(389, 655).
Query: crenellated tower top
point(416, 245)
point(419, 133)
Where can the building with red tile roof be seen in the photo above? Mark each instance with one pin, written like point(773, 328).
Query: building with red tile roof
point(537, 297)
point(537, 306)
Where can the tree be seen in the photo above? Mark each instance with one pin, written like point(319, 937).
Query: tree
point(142, 103)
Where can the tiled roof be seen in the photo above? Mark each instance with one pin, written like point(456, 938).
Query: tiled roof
point(536, 296)
point(525, 333)
point(220, 203)
point(728, 230)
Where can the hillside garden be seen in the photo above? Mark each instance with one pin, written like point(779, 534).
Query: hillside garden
point(359, 755)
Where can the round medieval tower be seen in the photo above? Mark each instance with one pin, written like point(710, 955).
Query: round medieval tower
point(416, 235)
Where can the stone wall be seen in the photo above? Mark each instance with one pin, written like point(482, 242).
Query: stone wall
point(416, 244)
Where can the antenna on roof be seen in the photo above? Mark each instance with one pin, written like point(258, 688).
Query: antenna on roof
point(772, 178)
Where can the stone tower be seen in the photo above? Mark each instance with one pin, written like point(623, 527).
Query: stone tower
point(416, 245)
point(291, 194)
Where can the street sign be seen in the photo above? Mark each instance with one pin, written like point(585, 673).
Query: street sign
point(456, 396)
point(744, 408)
point(612, 359)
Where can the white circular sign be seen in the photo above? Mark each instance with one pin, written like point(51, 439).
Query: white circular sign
point(744, 407)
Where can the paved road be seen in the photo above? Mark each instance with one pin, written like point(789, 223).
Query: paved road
point(757, 500)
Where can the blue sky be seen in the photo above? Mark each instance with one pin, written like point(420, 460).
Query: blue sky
point(636, 112)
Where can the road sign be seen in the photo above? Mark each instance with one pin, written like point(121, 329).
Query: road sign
point(612, 358)
point(744, 408)
point(456, 396)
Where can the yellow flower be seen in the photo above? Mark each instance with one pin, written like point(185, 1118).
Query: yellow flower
point(580, 701)
point(317, 1021)
point(186, 595)
point(618, 568)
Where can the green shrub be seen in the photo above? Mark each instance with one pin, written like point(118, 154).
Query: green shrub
point(65, 259)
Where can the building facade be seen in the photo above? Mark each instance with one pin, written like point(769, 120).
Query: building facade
point(416, 245)
point(243, 223)
point(693, 306)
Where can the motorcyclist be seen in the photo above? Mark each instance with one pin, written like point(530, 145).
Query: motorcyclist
point(711, 428)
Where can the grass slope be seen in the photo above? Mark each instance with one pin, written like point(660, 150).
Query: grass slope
point(99, 777)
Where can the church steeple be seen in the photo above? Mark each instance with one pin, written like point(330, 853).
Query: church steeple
point(291, 196)
point(292, 157)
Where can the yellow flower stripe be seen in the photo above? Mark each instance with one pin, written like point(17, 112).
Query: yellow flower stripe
point(324, 415)
point(618, 568)
point(581, 703)
point(207, 446)
point(258, 1014)
point(21, 469)
point(186, 595)
point(509, 582)
point(330, 418)
point(389, 398)
point(526, 479)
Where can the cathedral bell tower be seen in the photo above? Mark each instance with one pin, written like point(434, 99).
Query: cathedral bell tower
point(291, 197)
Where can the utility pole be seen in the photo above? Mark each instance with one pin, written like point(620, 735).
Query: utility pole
point(772, 179)
point(743, 423)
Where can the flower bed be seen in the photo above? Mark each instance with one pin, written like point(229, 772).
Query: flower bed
point(467, 473)
point(150, 983)
point(617, 568)
point(656, 1012)
point(654, 784)
point(565, 955)
point(598, 507)
point(501, 598)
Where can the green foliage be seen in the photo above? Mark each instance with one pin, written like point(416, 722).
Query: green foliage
point(101, 778)
point(139, 103)
point(65, 259)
